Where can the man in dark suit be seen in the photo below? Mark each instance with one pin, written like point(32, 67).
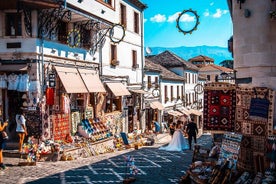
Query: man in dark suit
point(192, 132)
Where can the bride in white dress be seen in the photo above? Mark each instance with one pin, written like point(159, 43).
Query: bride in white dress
point(178, 142)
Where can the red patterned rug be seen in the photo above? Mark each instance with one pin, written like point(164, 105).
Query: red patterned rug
point(219, 107)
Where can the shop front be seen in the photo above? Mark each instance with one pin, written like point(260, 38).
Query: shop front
point(20, 89)
point(240, 119)
point(154, 111)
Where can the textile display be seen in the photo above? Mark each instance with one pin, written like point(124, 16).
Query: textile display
point(114, 122)
point(75, 121)
point(46, 124)
point(3, 81)
point(259, 106)
point(219, 107)
point(89, 113)
point(61, 126)
point(33, 123)
point(271, 152)
point(255, 127)
point(50, 96)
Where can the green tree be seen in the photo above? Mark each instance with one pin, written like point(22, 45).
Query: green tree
point(227, 63)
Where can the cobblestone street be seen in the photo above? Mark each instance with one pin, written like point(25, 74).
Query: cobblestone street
point(154, 166)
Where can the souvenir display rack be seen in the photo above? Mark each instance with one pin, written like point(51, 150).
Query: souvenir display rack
point(33, 121)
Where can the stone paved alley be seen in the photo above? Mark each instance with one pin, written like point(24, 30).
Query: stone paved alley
point(154, 165)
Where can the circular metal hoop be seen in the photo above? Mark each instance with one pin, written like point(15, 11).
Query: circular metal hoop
point(179, 19)
point(117, 28)
point(199, 88)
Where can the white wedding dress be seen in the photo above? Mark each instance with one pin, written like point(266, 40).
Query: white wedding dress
point(178, 142)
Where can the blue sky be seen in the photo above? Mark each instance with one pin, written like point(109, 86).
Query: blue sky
point(214, 29)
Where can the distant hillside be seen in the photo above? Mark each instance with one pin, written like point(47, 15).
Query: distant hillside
point(217, 53)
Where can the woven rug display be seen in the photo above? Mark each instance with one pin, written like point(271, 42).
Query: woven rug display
point(254, 119)
point(271, 152)
point(219, 107)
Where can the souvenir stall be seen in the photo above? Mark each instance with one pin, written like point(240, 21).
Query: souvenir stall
point(20, 89)
point(254, 119)
point(244, 118)
point(68, 115)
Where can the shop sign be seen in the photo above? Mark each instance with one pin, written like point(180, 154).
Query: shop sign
point(52, 80)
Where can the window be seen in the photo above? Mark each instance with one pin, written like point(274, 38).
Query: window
point(136, 22)
point(186, 75)
point(172, 93)
point(108, 2)
point(182, 92)
point(13, 24)
point(166, 94)
point(177, 93)
point(149, 82)
point(114, 55)
point(134, 59)
point(123, 15)
point(156, 83)
point(208, 78)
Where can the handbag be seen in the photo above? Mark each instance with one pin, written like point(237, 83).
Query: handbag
point(4, 135)
point(259, 106)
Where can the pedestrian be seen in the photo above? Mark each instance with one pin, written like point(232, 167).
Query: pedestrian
point(21, 128)
point(192, 131)
point(172, 128)
point(178, 142)
point(2, 143)
point(157, 127)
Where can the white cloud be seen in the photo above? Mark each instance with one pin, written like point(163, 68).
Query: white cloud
point(212, 3)
point(206, 13)
point(219, 13)
point(145, 20)
point(187, 18)
point(158, 18)
point(173, 17)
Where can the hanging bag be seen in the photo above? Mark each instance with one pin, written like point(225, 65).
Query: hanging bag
point(259, 106)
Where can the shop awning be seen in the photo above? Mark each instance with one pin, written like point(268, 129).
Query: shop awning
point(175, 113)
point(118, 89)
point(184, 111)
point(71, 80)
point(140, 91)
point(16, 67)
point(156, 105)
point(195, 112)
point(91, 80)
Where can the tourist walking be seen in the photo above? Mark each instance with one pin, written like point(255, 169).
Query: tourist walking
point(172, 128)
point(21, 129)
point(3, 140)
point(192, 132)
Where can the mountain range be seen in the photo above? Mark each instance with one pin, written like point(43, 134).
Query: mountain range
point(217, 53)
